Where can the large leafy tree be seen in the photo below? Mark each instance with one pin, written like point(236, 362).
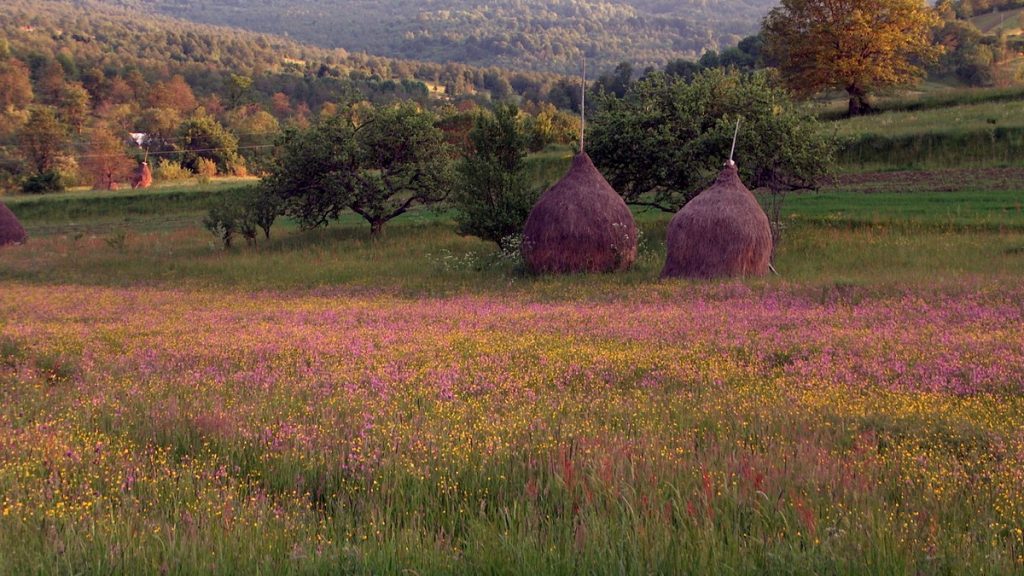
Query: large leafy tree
point(402, 160)
point(493, 195)
point(853, 45)
point(667, 138)
point(380, 166)
point(311, 172)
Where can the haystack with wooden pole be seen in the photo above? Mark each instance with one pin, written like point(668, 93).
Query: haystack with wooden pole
point(11, 231)
point(723, 232)
point(143, 176)
point(580, 224)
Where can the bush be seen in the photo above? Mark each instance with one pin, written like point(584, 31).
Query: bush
point(45, 183)
point(169, 170)
point(205, 169)
point(243, 213)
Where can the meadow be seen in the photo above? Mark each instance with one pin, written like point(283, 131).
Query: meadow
point(323, 403)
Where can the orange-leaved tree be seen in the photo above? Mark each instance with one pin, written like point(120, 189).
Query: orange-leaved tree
point(853, 45)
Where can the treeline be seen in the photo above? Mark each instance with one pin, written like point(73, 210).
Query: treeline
point(78, 78)
point(521, 34)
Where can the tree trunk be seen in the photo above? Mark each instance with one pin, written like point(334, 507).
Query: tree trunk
point(376, 229)
point(859, 102)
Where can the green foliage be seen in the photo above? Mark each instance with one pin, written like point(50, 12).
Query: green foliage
point(242, 212)
point(44, 183)
point(168, 170)
point(202, 136)
point(517, 34)
point(402, 160)
point(43, 140)
point(667, 138)
point(494, 195)
point(395, 159)
point(312, 171)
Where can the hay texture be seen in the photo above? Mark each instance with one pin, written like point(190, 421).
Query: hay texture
point(723, 232)
point(580, 225)
point(143, 176)
point(11, 231)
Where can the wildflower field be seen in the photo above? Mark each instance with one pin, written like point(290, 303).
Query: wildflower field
point(191, 424)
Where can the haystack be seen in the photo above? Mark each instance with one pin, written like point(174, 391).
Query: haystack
point(11, 231)
point(722, 232)
point(580, 225)
point(143, 176)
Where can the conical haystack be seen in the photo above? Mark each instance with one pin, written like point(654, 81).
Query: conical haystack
point(580, 225)
point(722, 232)
point(11, 231)
point(143, 176)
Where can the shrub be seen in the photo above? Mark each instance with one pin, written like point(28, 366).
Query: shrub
point(44, 183)
point(205, 169)
point(169, 170)
point(243, 213)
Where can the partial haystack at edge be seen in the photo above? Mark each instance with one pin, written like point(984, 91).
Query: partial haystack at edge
point(11, 231)
point(143, 176)
point(580, 225)
point(722, 232)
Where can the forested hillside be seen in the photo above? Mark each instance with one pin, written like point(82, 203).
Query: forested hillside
point(519, 34)
point(77, 76)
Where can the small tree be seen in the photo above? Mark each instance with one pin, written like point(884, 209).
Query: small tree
point(243, 212)
point(493, 195)
point(105, 160)
point(43, 141)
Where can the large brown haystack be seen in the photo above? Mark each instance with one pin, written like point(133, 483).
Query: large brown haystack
point(11, 231)
point(580, 225)
point(722, 232)
point(143, 176)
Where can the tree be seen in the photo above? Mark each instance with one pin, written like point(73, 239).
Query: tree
point(493, 195)
point(242, 212)
point(662, 143)
point(17, 92)
point(396, 158)
point(43, 141)
point(402, 160)
point(105, 159)
point(74, 105)
point(312, 170)
point(175, 94)
point(201, 136)
point(256, 129)
point(854, 45)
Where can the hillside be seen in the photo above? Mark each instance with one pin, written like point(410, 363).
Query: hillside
point(97, 40)
point(517, 34)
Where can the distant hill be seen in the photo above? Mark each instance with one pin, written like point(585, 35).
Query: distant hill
point(546, 35)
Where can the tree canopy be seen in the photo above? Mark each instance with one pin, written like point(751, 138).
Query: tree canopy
point(493, 195)
point(853, 45)
point(667, 138)
point(378, 163)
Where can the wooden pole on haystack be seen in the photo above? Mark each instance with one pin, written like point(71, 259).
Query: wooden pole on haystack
point(735, 135)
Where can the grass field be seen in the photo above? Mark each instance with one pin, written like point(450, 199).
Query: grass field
point(324, 403)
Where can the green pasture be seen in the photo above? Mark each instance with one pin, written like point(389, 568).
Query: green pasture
point(849, 233)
